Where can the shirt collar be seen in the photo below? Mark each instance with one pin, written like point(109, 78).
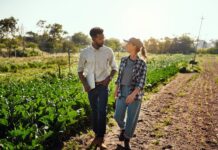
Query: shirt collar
point(137, 59)
point(95, 48)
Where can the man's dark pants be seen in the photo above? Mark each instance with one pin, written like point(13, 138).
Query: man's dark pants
point(98, 98)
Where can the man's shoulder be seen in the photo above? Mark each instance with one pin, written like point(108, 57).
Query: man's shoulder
point(107, 48)
point(85, 50)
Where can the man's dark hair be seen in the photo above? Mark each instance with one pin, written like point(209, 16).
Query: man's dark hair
point(95, 31)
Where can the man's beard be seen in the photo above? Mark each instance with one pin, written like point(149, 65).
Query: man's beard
point(99, 45)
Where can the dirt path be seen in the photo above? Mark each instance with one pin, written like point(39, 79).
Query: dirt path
point(182, 115)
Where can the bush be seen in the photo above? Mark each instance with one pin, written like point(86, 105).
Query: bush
point(213, 50)
point(33, 53)
point(5, 68)
point(208, 51)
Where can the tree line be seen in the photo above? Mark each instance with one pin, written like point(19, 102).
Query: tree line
point(52, 38)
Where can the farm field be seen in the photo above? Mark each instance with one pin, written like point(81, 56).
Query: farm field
point(44, 106)
point(41, 105)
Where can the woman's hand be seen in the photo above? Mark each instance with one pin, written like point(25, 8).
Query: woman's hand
point(130, 98)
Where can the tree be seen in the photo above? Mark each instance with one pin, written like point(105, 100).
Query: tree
point(32, 37)
point(56, 32)
point(152, 45)
point(31, 45)
point(113, 43)
point(42, 25)
point(167, 45)
point(49, 37)
point(216, 44)
point(8, 29)
point(2, 45)
point(80, 39)
point(185, 44)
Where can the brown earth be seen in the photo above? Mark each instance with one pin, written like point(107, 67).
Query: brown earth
point(183, 115)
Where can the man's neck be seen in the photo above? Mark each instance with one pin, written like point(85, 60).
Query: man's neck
point(95, 46)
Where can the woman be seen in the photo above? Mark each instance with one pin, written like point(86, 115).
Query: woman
point(129, 89)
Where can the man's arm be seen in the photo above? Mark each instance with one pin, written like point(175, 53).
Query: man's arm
point(81, 64)
point(109, 78)
point(84, 82)
point(113, 72)
point(114, 69)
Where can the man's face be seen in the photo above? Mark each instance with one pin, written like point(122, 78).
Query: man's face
point(99, 40)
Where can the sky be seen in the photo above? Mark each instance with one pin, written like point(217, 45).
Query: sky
point(120, 19)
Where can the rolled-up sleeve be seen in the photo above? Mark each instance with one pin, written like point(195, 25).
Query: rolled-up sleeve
point(81, 63)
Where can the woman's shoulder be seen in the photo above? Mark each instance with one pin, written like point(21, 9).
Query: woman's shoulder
point(124, 58)
point(142, 62)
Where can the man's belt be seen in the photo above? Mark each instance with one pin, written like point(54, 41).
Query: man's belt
point(99, 83)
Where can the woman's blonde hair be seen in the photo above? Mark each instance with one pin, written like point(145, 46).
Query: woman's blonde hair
point(139, 46)
point(143, 52)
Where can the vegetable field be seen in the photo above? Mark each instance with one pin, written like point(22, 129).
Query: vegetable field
point(43, 110)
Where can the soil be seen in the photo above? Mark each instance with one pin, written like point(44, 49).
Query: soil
point(183, 115)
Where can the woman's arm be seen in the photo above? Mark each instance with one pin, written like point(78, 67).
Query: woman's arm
point(142, 76)
point(130, 98)
point(117, 82)
point(139, 86)
point(116, 92)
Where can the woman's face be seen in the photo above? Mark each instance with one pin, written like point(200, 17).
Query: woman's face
point(130, 47)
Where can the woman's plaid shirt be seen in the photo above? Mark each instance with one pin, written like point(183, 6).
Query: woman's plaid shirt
point(138, 78)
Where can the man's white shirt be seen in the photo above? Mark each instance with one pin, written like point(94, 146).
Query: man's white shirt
point(96, 64)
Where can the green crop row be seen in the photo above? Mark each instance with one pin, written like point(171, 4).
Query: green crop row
point(13, 65)
point(40, 110)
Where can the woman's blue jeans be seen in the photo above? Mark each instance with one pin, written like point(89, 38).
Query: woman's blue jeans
point(129, 122)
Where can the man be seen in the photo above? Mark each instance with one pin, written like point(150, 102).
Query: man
point(96, 68)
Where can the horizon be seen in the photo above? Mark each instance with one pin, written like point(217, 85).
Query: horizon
point(120, 19)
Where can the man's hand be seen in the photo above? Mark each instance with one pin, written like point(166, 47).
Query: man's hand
point(84, 82)
point(130, 98)
point(106, 81)
point(87, 88)
point(109, 78)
